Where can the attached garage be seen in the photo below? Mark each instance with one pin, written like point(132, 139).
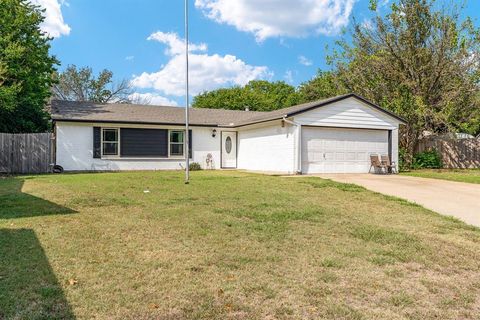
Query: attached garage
point(336, 135)
point(340, 136)
point(341, 150)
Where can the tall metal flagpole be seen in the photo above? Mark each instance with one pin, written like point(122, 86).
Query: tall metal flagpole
point(187, 102)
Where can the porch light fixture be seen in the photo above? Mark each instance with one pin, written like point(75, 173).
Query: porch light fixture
point(214, 133)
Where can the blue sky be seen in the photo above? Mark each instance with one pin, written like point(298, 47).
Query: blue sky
point(233, 40)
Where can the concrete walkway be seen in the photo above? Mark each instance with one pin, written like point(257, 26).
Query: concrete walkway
point(457, 199)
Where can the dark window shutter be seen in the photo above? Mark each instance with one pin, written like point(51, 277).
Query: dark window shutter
point(190, 143)
point(143, 142)
point(97, 141)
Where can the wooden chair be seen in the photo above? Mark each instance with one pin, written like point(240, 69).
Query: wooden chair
point(391, 166)
point(376, 164)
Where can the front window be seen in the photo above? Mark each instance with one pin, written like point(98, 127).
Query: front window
point(176, 143)
point(110, 142)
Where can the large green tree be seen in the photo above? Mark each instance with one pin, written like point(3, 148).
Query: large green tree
point(80, 84)
point(26, 68)
point(325, 84)
point(421, 61)
point(257, 95)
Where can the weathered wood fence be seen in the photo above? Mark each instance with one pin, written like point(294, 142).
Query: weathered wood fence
point(456, 153)
point(26, 153)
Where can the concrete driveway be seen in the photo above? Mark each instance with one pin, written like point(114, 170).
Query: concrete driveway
point(457, 199)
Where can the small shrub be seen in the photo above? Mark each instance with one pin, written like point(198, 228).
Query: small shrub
point(427, 160)
point(195, 166)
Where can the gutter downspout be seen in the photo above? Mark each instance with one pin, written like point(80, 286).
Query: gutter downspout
point(298, 155)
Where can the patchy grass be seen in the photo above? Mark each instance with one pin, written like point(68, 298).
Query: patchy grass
point(459, 175)
point(229, 245)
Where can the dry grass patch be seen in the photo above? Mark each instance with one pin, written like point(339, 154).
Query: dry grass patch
point(229, 246)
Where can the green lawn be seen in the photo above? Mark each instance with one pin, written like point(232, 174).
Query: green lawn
point(460, 175)
point(230, 245)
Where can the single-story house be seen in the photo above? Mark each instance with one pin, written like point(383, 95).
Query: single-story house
point(335, 135)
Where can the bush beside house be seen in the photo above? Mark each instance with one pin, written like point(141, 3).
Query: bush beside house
point(427, 160)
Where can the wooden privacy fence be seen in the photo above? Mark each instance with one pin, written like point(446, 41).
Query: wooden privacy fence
point(26, 153)
point(456, 153)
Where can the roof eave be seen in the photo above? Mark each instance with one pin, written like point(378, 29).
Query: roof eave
point(324, 103)
point(135, 122)
point(346, 96)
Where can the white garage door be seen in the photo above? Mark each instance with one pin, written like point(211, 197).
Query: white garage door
point(329, 150)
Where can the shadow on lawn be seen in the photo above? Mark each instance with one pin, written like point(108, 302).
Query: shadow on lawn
point(28, 287)
point(16, 204)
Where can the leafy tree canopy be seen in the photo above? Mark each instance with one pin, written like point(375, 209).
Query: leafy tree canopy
point(324, 85)
point(420, 61)
point(26, 68)
point(257, 95)
point(80, 84)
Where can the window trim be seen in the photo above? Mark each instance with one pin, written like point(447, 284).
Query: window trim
point(176, 156)
point(110, 156)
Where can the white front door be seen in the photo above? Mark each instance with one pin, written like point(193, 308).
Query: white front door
point(229, 149)
point(334, 150)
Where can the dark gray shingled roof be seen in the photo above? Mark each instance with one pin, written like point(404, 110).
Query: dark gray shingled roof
point(130, 113)
point(146, 114)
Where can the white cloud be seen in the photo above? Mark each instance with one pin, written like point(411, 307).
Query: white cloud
point(175, 45)
point(152, 98)
point(288, 76)
point(305, 61)
point(207, 72)
point(276, 18)
point(129, 58)
point(53, 24)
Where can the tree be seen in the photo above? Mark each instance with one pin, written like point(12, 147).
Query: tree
point(26, 68)
point(257, 95)
point(81, 85)
point(324, 85)
point(419, 61)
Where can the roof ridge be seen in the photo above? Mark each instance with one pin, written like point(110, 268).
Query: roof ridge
point(150, 106)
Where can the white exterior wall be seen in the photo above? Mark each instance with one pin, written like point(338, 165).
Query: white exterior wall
point(269, 147)
point(74, 149)
point(348, 113)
